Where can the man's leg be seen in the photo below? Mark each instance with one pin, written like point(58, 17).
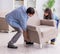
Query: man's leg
point(14, 39)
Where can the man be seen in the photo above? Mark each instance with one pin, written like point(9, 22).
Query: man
point(18, 20)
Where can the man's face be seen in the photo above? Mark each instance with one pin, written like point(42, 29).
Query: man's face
point(30, 15)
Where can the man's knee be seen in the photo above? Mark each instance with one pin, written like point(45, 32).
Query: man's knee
point(17, 29)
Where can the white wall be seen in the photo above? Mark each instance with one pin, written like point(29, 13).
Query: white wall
point(57, 7)
point(25, 3)
point(39, 7)
point(5, 6)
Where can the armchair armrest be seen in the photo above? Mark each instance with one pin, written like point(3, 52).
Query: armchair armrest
point(31, 27)
point(48, 22)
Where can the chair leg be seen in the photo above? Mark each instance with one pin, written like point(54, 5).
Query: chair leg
point(40, 45)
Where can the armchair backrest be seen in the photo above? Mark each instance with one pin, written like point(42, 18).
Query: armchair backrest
point(34, 20)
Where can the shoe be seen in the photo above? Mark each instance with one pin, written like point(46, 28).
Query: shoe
point(53, 43)
point(12, 46)
point(29, 43)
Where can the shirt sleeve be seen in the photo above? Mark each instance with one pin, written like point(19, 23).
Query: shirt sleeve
point(22, 17)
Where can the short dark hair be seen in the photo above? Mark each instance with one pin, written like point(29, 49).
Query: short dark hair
point(30, 10)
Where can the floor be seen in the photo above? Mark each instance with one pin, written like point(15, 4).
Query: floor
point(22, 49)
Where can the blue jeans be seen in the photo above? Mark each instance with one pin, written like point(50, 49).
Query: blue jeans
point(53, 40)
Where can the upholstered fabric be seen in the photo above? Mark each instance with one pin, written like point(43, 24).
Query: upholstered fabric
point(41, 31)
point(48, 32)
point(47, 22)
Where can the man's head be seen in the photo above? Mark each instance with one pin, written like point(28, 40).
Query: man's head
point(30, 11)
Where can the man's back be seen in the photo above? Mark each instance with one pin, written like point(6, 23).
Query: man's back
point(18, 15)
